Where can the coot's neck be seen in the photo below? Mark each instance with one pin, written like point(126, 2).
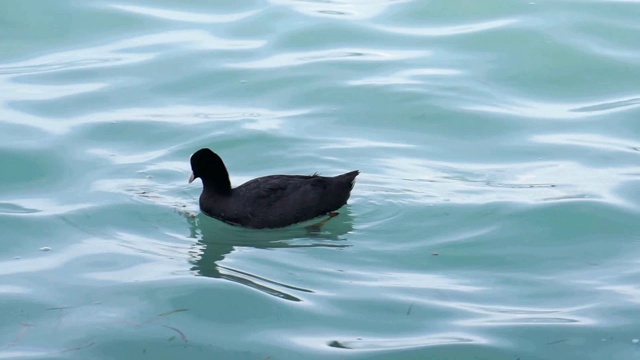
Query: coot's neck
point(218, 183)
point(209, 167)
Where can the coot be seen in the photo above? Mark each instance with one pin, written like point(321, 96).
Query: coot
point(267, 202)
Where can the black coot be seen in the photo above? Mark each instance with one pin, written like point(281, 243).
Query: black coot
point(267, 202)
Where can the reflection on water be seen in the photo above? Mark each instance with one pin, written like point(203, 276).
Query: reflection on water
point(216, 240)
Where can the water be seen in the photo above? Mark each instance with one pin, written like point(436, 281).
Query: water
point(495, 216)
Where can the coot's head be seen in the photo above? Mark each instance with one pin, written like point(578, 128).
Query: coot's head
point(208, 166)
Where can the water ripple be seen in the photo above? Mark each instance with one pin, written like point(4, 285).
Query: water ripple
point(35, 92)
point(183, 16)
point(11, 289)
point(8, 208)
point(256, 119)
point(544, 110)
point(408, 342)
point(611, 105)
point(450, 30)
point(406, 77)
point(595, 141)
point(301, 58)
point(56, 259)
point(500, 315)
point(524, 182)
point(39, 207)
point(350, 143)
point(123, 52)
point(414, 280)
point(347, 9)
point(24, 354)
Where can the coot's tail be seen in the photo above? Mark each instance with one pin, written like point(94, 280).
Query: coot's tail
point(348, 178)
point(338, 191)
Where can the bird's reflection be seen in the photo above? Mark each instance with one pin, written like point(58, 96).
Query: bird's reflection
point(216, 240)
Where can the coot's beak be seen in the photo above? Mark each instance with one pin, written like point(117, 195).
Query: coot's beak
point(191, 178)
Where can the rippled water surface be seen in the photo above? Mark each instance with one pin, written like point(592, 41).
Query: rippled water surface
point(495, 217)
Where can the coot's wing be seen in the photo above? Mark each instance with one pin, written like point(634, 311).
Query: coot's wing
point(280, 190)
point(272, 188)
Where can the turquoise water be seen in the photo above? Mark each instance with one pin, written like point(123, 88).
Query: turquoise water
point(496, 216)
